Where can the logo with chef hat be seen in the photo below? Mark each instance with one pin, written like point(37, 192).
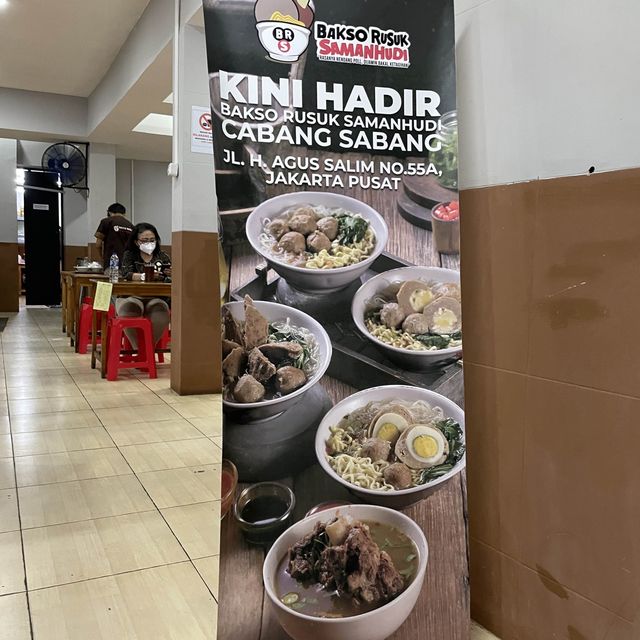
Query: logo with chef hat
point(284, 27)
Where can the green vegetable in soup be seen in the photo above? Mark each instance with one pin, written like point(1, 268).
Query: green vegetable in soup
point(433, 340)
point(288, 333)
point(452, 431)
point(290, 599)
point(351, 229)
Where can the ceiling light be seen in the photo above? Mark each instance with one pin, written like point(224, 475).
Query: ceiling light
point(168, 99)
point(4, 3)
point(157, 124)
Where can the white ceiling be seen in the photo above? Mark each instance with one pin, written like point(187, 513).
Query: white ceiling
point(146, 96)
point(63, 46)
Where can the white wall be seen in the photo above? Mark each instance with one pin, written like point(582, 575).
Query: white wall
point(152, 196)
point(194, 194)
point(102, 183)
point(42, 113)
point(8, 221)
point(148, 197)
point(123, 185)
point(546, 88)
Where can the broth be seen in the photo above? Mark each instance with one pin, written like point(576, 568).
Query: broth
point(314, 600)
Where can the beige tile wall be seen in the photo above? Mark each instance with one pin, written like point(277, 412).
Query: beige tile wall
point(551, 291)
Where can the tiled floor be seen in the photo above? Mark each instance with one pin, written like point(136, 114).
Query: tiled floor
point(109, 497)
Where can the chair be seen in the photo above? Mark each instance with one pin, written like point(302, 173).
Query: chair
point(83, 336)
point(163, 343)
point(144, 359)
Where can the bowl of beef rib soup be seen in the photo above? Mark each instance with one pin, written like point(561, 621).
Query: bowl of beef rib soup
point(272, 355)
point(352, 572)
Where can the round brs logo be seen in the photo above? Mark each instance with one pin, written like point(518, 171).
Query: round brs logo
point(284, 27)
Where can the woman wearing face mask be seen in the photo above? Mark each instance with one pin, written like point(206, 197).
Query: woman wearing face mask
point(143, 249)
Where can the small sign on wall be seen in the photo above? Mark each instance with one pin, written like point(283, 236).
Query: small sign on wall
point(41, 207)
point(201, 130)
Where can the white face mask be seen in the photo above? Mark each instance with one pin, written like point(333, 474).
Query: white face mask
point(148, 247)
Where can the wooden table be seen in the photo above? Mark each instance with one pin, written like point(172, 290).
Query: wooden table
point(442, 611)
point(122, 289)
point(72, 284)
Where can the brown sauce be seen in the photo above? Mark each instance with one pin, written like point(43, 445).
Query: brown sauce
point(264, 510)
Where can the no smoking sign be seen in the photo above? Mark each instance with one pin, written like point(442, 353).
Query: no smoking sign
point(201, 130)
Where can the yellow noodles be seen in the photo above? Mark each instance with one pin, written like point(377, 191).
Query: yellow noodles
point(339, 441)
point(343, 256)
point(361, 471)
point(401, 339)
point(395, 338)
point(276, 16)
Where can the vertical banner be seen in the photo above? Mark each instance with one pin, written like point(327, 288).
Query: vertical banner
point(335, 147)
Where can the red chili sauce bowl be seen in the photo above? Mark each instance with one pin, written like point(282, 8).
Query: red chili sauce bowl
point(229, 484)
point(447, 211)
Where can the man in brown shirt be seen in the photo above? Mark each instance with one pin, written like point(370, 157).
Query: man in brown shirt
point(113, 233)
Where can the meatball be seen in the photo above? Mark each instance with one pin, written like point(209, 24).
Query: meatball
point(317, 241)
point(289, 379)
point(303, 223)
point(398, 475)
point(375, 449)
point(248, 389)
point(306, 211)
point(392, 315)
point(416, 324)
point(292, 242)
point(328, 226)
point(278, 228)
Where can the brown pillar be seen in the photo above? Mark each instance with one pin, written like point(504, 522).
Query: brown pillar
point(195, 313)
point(9, 287)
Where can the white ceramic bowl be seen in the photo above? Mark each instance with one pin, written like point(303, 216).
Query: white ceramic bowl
point(316, 280)
point(396, 499)
point(406, 358)
point(374, 625)
point(283, 50)
point(274, 312)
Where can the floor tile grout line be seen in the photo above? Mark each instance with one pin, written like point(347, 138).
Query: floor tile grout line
point(217, 555)
point(15, 479)
point(158, 509)
point(116, 446)
point(187, 560)
point(116, 475)
point(134, 473)
point(93, 519)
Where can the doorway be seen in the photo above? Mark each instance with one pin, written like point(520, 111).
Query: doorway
point(43, 241)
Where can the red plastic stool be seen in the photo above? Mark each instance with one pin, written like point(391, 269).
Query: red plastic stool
point(83, 334)
point(163, 343)
point(144, 359)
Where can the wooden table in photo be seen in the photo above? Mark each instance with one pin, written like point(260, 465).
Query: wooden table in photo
point(122, 289)
point(72, 284)
point(442, 611)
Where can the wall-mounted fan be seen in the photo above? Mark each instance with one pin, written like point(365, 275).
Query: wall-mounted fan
point(68, 161)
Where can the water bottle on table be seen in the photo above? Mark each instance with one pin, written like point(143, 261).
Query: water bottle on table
point(114, 268)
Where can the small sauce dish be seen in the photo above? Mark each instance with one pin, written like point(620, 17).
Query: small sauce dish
point(263, 511)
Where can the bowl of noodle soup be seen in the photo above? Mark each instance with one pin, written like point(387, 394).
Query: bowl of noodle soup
point(343, 431)
point(324, 270)
point(398, 345)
